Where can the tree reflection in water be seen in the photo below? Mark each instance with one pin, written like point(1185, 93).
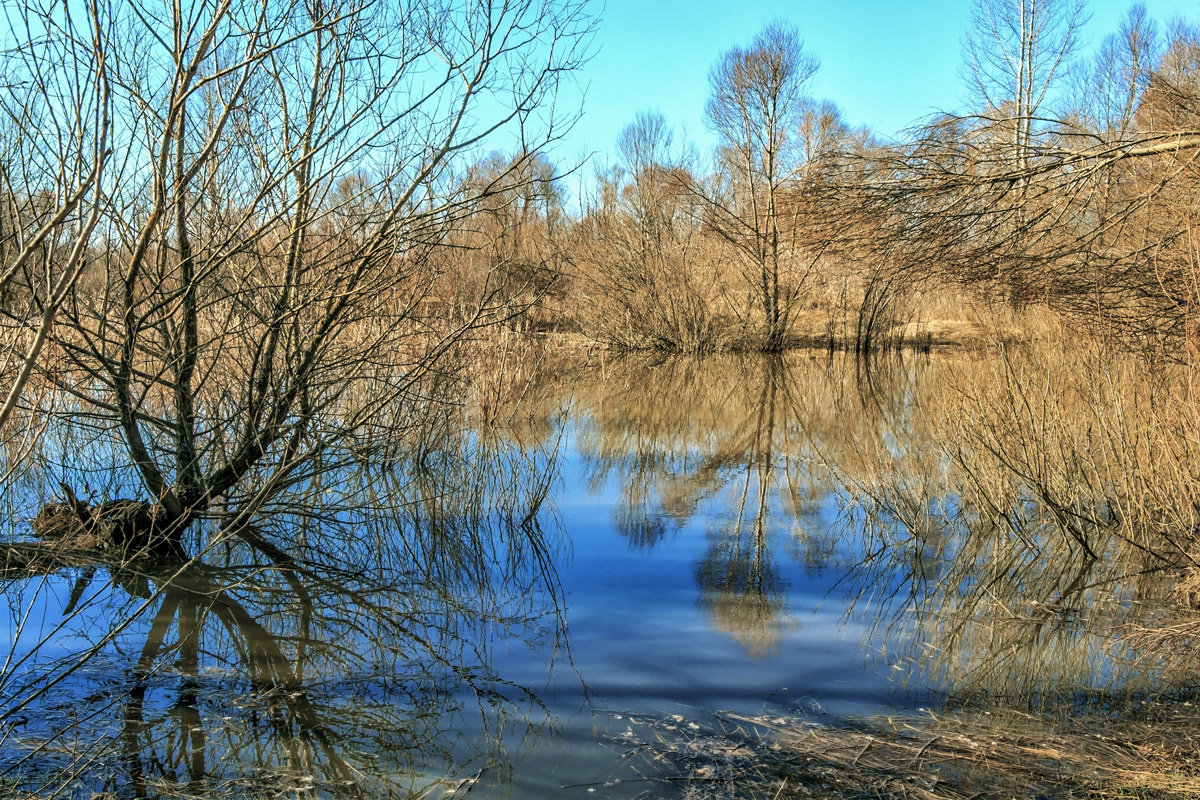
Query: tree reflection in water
point(977, 583)
point(355, 664)
point(739, 582)
point(360, 659)
point(727, 439)
point(984, 516)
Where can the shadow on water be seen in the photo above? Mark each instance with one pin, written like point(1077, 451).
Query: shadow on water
point(357, 663)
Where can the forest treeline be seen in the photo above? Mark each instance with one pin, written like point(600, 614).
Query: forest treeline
point(1071, 189)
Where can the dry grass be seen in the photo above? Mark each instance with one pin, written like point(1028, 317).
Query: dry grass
point(976, 756)
point(833, 312)
point(954, 333)
point(1051, 490)
point(685, 296)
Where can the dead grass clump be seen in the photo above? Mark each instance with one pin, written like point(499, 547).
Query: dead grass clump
point(954, 333)
point(977, 756)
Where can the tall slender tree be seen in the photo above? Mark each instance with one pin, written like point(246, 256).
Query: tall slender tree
point(757, 97)
point(1112, 88)
point(1015, 51)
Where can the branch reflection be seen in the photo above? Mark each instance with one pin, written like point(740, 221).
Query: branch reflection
point(727, 440)
point(960, 513)
point(355, 663)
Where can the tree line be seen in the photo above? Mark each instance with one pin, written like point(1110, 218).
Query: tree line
point(1070, 187)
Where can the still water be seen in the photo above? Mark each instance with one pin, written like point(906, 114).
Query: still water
point(622, 547)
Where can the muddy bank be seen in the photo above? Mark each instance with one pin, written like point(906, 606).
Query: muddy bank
point(1150, 752)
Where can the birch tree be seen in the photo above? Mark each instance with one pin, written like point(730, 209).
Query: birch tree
point(1015, 51)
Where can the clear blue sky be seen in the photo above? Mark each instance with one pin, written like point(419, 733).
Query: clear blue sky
point(886, 63)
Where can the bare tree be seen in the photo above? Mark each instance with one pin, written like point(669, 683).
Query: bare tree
point(1110, 92)
point(822, 133)
point(511, 237)
point(1098, 223)
point(1014, 52)
point(757, 98)
point(260, 317)
point(646, 142)
point(55, 142)
point(640, 256)
point(1170, 102)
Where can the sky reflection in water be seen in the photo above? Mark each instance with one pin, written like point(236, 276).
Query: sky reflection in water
point(703, 558)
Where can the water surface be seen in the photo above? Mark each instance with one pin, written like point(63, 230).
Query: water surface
point(625, 540)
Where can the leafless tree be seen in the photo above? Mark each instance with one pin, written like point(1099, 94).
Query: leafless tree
point(56, 139)
point(639, 254)
point(1110, 92)
point(646, 142)
point(1095, 222)
point(282, 176)
point(518, 219)
point(755, 107)
point(1014, 52)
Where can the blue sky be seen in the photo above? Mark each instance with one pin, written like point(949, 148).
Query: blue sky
point(886, 63)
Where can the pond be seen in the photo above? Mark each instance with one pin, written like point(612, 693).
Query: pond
point(617, 551)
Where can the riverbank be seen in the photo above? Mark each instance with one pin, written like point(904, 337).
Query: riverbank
point(947, 323)
point(1150, 751)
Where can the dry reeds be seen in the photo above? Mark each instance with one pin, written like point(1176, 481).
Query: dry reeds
point(1106, 444)
point(977, 756)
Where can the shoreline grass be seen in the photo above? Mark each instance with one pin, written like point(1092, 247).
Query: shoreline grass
point(1150, 754)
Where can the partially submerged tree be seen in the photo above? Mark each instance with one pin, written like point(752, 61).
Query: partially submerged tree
point(279, 181)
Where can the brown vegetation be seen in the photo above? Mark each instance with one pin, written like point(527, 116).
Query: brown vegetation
point(806, 232)
point(270, 271)
point(926, 757)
